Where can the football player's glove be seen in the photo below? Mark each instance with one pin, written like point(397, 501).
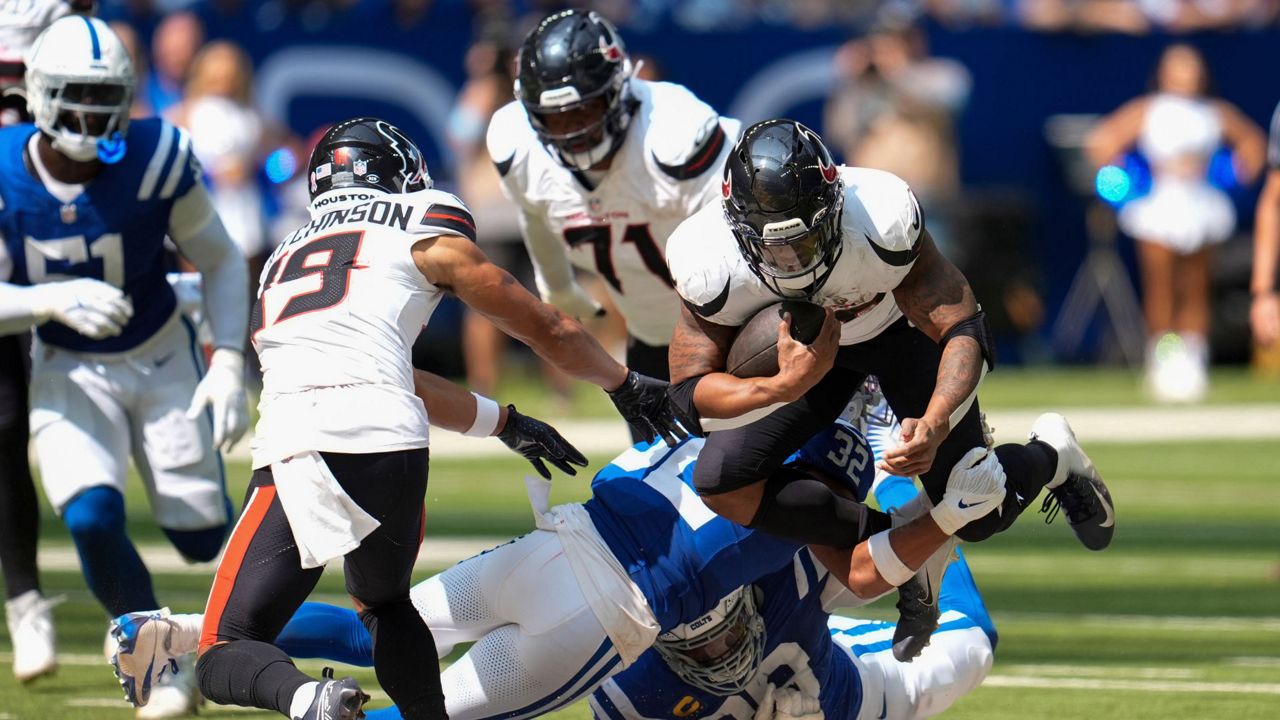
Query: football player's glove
point(222, 389)
point(974, 490)
point(536, 441)
point(90, 307)
point(643, 402)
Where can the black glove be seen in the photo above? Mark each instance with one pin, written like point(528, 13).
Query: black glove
point(536, 441)
point(643, 402)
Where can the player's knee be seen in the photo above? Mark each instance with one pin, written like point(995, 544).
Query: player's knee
point(198, 545)
point(95, 514)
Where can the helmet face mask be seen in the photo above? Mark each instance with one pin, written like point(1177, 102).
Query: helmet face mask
point(573, 81)
point(784, 200)
point(80, 87)
point(719, 652)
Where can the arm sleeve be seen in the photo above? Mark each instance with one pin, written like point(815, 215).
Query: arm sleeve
point(552, 269)
point(198, 232)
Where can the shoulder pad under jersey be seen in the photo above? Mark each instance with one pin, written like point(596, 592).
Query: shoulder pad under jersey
point(882, 206)
point(685, 135)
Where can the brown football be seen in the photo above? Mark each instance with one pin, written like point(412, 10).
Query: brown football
point(754, 352)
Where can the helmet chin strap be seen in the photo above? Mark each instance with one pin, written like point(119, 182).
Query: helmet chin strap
point(80, 148)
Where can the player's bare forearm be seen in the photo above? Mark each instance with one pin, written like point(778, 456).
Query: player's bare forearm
point(913, 543)
point(456, 264)
point(935, 296)
point(449, 405)
point(698, 350)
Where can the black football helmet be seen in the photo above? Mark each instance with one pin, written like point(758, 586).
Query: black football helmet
point(366, 153)
point(572, 79)
point(783, 199)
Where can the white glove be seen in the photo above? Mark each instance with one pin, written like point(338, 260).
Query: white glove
point(787, 703)
point(974, 489)
point(188, 287)
point(90, 307)
point(576, 302)
point(223, 389)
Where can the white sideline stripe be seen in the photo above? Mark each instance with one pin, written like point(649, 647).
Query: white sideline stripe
point(435, 552)
point(1134, 685)
point(1163, 622)
point(606, 436)
point(1255, 661)
point(1109, 671)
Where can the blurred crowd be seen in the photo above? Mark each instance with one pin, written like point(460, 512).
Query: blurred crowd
point(1050, 16)
point(894, 106)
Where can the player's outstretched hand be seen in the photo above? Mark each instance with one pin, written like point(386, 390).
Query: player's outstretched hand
point(914, 455)
point(536, 441)
point(975, 488)
point(222, 389)
point(90, 307)
point(643, 402)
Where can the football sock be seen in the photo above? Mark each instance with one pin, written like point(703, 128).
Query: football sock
point(324, 631)
point(404, 658)
point(112, 567)
point(302, 699)
point(19, 514)
point(800, 508)
point(250, 674)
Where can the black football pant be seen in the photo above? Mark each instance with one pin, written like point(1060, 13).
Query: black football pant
point(648, 360)
point(260, 584)
point(19, 511)
point(906, 362)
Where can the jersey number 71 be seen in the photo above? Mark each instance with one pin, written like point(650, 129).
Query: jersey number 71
point(327, 260)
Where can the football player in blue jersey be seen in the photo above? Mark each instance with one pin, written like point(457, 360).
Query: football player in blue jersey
point(773, 651)
point(86, 200)
point(556, 612)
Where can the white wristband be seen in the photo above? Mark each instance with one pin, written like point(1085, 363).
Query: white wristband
point(891, 567)
point(948, 518)
point(486, 417)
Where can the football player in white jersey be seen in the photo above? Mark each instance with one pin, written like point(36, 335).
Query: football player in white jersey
point(27, 611)
point(340, 453)
point(794, 225)
point(604, 166)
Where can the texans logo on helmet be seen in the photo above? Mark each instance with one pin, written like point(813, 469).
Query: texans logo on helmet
point(610, 51)
point(726, 185)
point(825, 164)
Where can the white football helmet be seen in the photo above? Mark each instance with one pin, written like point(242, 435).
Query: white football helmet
point(79, 88)
point(720, 651)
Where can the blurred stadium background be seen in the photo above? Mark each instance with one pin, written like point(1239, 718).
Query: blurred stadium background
point(1180, 618)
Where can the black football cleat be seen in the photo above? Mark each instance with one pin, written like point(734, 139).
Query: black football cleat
point(1076, 487)
point(337, 700)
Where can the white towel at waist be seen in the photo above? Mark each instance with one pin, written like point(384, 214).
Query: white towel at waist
point(614, 598)
point(326, 522)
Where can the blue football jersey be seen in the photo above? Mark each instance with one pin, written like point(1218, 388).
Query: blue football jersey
point(796, 638)
point(114, 231)
point(683, 556)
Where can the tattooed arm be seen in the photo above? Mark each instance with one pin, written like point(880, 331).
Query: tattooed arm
point(698, 351)
point(935, 296)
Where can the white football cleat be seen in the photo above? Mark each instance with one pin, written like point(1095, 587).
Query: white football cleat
point(1076, 485)
point(175, 695)
point(30, 623)
point(141, 656)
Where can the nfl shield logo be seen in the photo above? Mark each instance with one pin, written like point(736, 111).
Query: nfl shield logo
point(68, 213)
point(360, 167)
point(594, 205)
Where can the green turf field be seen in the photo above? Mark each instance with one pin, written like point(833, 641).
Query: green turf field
point(1180, 618)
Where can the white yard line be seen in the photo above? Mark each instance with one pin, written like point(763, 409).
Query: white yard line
point(435, 553)
point(1117, 424)
point(1016, 681)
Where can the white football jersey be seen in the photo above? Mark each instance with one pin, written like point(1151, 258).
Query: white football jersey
point(667, 168)
point(339, 306)
point(22, 20)
point(880, 230)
